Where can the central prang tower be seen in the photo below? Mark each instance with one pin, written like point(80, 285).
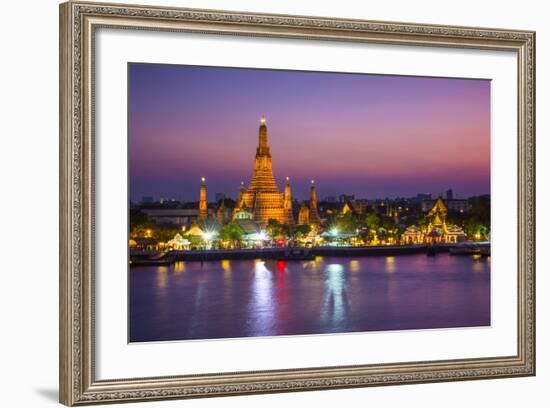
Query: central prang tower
point(263, 180)
point(262, 197)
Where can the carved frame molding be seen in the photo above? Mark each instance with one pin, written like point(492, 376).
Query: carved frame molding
point(78, 22)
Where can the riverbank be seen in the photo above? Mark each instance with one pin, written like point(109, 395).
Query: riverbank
point(303, 253)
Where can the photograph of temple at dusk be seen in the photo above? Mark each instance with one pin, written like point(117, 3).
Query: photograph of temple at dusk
point(269, 202)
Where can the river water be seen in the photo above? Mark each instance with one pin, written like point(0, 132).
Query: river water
point(228, 299)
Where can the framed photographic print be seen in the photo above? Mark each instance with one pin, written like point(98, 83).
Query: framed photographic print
point(258, 203)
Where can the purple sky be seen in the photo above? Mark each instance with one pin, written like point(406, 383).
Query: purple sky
point(368, 135)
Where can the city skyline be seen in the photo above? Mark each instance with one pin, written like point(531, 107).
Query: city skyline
point(211, 197)
point(371, 136)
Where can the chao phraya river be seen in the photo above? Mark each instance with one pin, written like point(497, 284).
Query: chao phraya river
point(244, 298)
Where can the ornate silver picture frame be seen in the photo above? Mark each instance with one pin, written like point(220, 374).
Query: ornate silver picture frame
point(78, 24)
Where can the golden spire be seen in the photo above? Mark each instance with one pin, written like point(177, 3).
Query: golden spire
point(263, 147)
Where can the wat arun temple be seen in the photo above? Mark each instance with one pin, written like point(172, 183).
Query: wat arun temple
point(262, 201)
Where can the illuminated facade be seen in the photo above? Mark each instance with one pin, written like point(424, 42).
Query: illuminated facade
point(455, 234)
point(412, 235)
point(262, 198)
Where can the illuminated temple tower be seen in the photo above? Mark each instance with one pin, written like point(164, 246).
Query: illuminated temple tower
point(308, 214)
point(289, 218)
point(313, 213)
point(262, 197)
point(203, 205)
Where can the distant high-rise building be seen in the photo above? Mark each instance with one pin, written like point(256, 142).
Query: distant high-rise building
point(423, 196)
point(330, 199)
point(345, 197)
point(449, 194)
point(219, 197)
point(146, 200)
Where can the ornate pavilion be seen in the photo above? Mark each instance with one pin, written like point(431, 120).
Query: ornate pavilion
point(436, 230)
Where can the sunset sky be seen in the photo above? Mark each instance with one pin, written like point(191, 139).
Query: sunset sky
point(368, 135)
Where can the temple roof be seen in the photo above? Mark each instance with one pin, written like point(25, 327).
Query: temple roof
point(195, 230)
point(248, 226)
point(413, 229)
point(353, 206)
point(439, 206)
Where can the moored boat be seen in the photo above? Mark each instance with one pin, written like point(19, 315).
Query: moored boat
point(465, 250)
point(161, 259)
point(297, 254)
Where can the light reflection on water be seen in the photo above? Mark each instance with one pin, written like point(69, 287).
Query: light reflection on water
point(390, 264)
point(162, 277)
point(334, 306)
point(478, 265)
point(217, 299)
point(261, 303)
point(179, 267)
point(226, 265)
point(354, 265)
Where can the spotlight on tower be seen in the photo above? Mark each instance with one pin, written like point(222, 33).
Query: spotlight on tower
point(262, 120)
point(203, 179)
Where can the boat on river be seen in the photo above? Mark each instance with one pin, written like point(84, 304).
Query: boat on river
point(157, 260)
point(296, 254)
point(465, 250)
